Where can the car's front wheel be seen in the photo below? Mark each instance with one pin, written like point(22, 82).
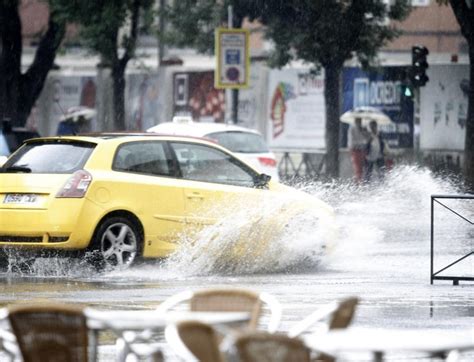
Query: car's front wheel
point(117, 243)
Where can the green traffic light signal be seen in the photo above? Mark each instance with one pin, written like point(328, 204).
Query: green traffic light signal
point(408, 92)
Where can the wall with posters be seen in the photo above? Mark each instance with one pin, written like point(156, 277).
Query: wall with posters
point(295, 110)
point(443, 107)
point(252, 111)
point(383, 90)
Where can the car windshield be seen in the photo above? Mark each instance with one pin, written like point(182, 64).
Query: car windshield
point(243, 142)
point(50, 157)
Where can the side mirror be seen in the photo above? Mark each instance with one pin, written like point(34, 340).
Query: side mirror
point(262, 180)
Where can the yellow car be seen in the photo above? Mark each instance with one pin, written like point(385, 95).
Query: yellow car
point(127, 196)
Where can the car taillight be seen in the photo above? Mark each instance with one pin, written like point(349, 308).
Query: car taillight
point(267, 161)
point(76, 186)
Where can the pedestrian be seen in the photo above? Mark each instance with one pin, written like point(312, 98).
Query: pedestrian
point(357, 140)
point(375, 152)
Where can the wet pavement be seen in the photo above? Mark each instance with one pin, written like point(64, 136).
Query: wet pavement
point(382, 256)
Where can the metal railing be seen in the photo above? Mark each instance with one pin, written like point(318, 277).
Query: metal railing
point(435, 275)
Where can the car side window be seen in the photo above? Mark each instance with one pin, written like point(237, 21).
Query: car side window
point(206, 164)
point(148, 157)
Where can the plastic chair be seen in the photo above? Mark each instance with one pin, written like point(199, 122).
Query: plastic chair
point(268, 347)
point(49, 332)
point(194, 341)
point(229, 300)
point(207, 300)
point(340, 315)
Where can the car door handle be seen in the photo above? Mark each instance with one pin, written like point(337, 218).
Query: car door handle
point(194, 195)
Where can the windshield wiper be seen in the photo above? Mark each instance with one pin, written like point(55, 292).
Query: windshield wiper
point(16, 169)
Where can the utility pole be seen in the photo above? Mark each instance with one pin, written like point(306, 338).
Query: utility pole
point(232, 94)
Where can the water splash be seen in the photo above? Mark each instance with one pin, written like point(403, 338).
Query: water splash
point(368, 217)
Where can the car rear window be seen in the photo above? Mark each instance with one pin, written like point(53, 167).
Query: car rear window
point(50, 157)
point(243, 142)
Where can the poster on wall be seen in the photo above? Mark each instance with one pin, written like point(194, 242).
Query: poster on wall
point(251, 113)
point(194, 94)
point(296, 110)
point(443, 107)
point(382, 89)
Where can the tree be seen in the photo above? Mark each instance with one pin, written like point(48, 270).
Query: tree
point(19, 91)
point(110, 29)
point(327, 33)
point(464, 12)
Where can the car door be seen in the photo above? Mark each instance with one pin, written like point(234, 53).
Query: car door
point(154, 191)
point(215, 183)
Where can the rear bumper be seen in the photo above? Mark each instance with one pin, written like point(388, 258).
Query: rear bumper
point(65, 224)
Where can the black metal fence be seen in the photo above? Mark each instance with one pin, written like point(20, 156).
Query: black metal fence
point(435, 199)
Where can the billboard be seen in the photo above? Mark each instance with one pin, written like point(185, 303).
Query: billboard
point(381, 89)
point(443, 107)
point(296, 110)
point(233, 59)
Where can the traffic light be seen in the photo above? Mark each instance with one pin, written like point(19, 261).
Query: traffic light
point(419, 65)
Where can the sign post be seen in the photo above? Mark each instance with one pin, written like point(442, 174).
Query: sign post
point(233, 60)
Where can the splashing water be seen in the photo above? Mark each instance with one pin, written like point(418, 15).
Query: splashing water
point(391, 211)
point(395, 209)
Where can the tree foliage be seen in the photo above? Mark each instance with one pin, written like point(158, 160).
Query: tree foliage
point(193, 22)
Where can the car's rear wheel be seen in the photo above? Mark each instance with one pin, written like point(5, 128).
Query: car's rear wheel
point(117, 243)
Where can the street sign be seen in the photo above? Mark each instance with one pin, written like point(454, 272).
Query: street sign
point(233, 60)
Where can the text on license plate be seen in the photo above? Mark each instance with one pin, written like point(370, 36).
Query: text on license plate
point(20, 199)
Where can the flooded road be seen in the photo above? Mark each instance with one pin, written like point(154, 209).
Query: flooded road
point(381, 255)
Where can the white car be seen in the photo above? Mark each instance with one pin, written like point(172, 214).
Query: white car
point(245, 142)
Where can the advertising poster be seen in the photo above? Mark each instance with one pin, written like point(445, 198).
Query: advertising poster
point(194, 94)
point(296, 112)
point(382, 89)
point(443, 107)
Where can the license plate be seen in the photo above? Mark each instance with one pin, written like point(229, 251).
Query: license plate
point(20, 199)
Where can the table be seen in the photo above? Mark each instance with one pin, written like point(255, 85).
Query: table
point(122, 322)
point(137, 320)
point(381, 341)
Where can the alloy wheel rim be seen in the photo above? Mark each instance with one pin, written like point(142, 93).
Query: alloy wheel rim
point(119, 245)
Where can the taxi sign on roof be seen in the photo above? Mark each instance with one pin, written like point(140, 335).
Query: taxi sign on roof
point(233, 60)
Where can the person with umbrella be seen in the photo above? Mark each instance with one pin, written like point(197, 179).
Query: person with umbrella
point(376, 150)
point(357, 141)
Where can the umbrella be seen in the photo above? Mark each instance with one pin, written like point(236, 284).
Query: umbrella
point(79, 113)
point(367, 114)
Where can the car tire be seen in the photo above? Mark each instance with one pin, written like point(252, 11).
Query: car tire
point(117, 244)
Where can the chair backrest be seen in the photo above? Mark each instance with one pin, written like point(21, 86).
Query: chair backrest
point(344, 313)
point(50, 333)
point(195, 338)
point(229, 300)
point(340, 315)
point(266, 347)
